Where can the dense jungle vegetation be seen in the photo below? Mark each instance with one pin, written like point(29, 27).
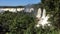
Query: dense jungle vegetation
point(24, 23)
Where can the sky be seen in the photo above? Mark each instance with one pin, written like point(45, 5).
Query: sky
point(17, 2)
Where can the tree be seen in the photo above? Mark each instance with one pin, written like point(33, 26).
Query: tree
point(16, 23)
point(52, 8)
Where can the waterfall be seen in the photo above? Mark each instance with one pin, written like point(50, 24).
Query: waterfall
point(39, 13)
point(44, 13)
point(42, 20)
point(28, 8)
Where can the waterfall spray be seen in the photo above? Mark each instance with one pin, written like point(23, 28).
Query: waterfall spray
point(42, 20)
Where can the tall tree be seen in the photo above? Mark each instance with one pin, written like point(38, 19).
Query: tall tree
point(53, 8)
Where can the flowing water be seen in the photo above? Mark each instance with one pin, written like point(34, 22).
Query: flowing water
point(43, 20)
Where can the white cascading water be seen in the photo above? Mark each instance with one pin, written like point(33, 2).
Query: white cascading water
point(38, 13)
point(43, 20)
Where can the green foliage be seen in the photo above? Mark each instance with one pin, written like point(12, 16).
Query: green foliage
point(24, 23)
point(15, 23)
point(53, 8)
